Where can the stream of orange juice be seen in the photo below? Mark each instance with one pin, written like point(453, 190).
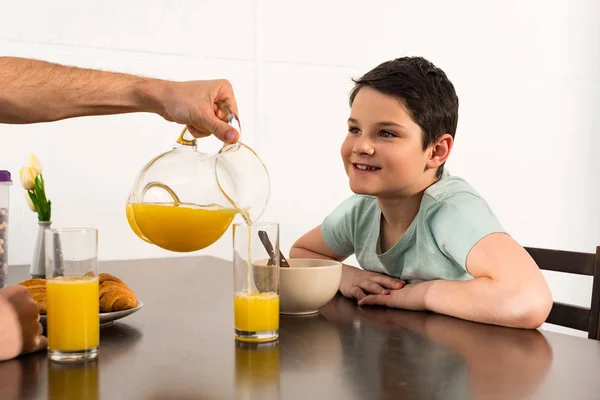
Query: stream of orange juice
point(179, 227)
point(73, 313)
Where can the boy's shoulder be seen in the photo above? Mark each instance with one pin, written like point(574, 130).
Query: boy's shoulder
point(452, 200)
point(457, 217)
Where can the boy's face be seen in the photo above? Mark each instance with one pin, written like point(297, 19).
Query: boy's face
point(383, 152)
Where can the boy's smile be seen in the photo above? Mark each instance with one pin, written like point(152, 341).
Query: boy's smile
point(383, 152)
point(360, 167)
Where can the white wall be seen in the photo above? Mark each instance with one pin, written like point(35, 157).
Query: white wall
point(527, 75)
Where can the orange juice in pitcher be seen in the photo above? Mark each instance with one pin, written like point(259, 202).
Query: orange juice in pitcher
point(179, 227)
point(185, 199)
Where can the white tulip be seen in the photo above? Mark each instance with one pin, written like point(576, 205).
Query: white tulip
point(34, 162)
point(28, 175)
point(29, 202)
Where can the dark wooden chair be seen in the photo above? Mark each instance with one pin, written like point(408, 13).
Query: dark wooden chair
point(571, 316)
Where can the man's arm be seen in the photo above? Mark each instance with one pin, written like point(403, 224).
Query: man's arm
point(508, 288)
point(37, 91)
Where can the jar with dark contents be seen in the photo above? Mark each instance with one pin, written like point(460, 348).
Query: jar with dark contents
point(5, 183)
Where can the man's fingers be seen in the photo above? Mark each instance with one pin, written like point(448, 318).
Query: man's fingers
point(224, 131)
point(222, 114)
point(198, 133)
point(214, 126)
point(224, 94)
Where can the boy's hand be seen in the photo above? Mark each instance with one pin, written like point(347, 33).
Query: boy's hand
point(410, 297)
point(357, 283)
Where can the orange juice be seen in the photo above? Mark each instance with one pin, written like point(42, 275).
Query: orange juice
point(256, 312)
point(133, 225)
point(73, 313)
point(179, 227)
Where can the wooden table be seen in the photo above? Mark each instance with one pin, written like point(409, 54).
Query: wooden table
point(181, 346)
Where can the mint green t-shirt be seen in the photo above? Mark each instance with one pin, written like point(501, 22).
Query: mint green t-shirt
point(452, 218)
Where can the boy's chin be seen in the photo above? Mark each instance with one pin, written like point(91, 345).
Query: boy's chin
point(361, 189)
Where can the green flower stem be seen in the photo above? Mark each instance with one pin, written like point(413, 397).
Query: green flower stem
point(42, 205)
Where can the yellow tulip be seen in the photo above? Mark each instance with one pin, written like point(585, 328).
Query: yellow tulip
point(34, 162)
point(28, 175)
point(29, 202)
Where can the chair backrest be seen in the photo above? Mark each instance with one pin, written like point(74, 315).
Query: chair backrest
point(571, 316)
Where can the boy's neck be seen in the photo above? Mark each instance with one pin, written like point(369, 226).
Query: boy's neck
point(399, 212)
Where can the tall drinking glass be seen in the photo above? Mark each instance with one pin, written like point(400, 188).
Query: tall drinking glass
point(72, 289)
point(256, 281)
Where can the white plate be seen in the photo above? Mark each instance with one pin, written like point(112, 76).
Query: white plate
point(107, 318)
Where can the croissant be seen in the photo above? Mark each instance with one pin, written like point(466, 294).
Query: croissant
point(37, 290)
point(115, 295)
point(104, 277)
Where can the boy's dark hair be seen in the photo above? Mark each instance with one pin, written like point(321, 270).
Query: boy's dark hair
point(423, 88)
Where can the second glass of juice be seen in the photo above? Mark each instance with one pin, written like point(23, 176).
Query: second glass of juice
point(72, 289)
point(256, 282)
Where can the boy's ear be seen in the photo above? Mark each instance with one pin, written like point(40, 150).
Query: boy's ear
point(440, 150)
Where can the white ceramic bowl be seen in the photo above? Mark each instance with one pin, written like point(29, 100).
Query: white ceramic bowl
point(307, 285)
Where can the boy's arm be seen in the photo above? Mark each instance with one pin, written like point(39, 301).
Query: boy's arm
point(312, 245)
point(355, 283)
point(508, 288)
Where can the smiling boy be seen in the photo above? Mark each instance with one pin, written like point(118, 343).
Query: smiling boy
point(426, 240)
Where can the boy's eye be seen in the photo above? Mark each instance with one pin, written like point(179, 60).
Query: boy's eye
point(353, 130)
point(387, 134)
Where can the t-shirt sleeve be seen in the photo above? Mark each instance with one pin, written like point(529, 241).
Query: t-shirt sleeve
point(337, 228)
point(459, 222)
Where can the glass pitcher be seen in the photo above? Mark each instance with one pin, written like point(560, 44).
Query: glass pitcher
point(184, 199)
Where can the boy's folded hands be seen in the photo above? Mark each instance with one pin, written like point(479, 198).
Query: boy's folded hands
point(357, 283)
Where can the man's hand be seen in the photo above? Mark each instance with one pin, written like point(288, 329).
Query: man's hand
point(20, 329)
point(194, 103)
point(357, 283)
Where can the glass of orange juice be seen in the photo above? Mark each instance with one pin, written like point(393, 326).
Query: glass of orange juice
point(73, 320)
point(256, 282)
